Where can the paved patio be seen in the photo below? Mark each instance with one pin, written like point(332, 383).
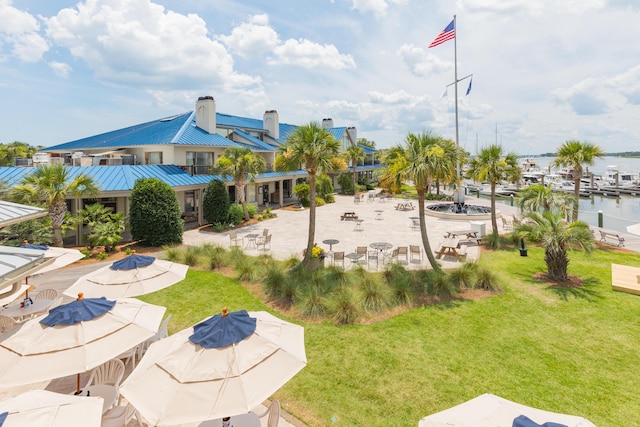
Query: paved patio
point(289, 230)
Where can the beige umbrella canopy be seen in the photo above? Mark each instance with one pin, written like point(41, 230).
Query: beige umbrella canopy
point(181, 382)
point(34, 352)
point(489, 410)
point(48, 409)
point(61, 256)
point(132, 276)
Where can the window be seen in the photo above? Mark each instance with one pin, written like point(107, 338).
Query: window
point(153, 158)
point(201, 162)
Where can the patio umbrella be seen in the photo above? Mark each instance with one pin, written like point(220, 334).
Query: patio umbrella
point(489, 410)
point(35, 352)
point(223, 366)
point(61, 256)
point(131, 276)
point(48, 409)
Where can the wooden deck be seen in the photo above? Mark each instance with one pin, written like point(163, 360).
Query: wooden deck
point(625, 278)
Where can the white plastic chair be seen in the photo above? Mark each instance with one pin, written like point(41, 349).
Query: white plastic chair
point(109, 373)
point(121, 416)
point(7, 323)
point(273, 411)
point(50, 294)
point(263, 241)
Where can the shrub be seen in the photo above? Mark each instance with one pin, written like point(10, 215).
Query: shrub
point(343, 306)
point(154, 215)
point(464, 276)
point(324, 186)
point(102, 256)
point(236, 215)
point(345, 181)
point(215, 202)
point(313, 303)
point(172, 253)
point(319, 201)
point(330, 198)
point(274, 281)
point(441, 286)
point(191, 256)
point(252, 209)
point(487, 280)
point(493, 240)
point(375, 296)
point(302, 191)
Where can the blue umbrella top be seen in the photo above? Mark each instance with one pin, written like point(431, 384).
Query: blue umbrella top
point(37, 247)
point(132, 262)
point(223, 329)
point(77, 311)
point(3, 417)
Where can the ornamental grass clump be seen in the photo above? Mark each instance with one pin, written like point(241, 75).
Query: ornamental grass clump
point(375, 294)
point(344, 307)
point(487, 280)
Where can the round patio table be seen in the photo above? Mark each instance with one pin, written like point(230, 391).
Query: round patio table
point(379, 214)
point(19, 313)
point(331, 242)
point(381, 246)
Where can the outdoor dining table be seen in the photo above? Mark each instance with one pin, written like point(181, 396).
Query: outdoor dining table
point(358, 226)
point(449, 246)
point(379, 214)
point(18, 312)
point(354, 257)
point(381, 246)
point(331, 242)
point(107, 392)
point(251, 239)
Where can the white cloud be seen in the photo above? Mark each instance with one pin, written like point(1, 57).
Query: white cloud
point(308, 54)
point(422, 63)
point(60, 68)
point(377, 7)
point(253, 38)
point(19, 30)
point(140, 43)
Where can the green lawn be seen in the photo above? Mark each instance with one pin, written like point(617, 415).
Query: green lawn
point(569, 350)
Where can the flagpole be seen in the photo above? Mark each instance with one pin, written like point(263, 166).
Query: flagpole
point(455, 71)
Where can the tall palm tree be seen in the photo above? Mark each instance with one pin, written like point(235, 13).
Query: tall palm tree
point(241, 164)
point(394, 159)
point(492, 166)
point(556, 235)
point(443, 159)
point(540, 198)
point(574, 154)
point(355, 154)
point(314, 148)
point(50, 185)
point(413, 162)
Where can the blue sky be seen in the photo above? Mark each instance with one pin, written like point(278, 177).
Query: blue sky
point(544, 71)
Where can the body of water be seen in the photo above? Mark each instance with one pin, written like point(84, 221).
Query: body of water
point(617, 213)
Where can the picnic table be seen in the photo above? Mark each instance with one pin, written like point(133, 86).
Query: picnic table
point(408, 206)
point(470, 235)
point(451, 246)
point(348, 215)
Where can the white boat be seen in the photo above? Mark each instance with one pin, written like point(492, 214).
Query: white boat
point(614, 178)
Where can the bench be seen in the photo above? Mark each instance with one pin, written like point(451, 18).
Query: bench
point(405, 206)
point(604, 235)
point(348, 215)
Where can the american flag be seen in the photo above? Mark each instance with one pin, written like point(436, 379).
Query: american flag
point(447, 34)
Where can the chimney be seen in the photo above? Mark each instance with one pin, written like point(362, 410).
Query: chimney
point(327, 123)
point(206, 114)
point(271, 123)
point(353, 135)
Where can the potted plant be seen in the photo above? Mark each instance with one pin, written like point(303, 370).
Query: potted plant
point(317, 256)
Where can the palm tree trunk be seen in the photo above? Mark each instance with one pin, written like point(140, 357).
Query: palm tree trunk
point(240, 194)
point(355, 178)
point(56, 212)
point(576, 202)
point(312, 218)
point(494, 220)
point(557, 263)
point(423, 233)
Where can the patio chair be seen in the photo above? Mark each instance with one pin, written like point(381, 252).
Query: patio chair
point(110, 373)
point(265, 232)
point(506, 224)
point(163, 330)
point(415, 251)
point(50, 294)
point(415, 223)
point(235, 239)
point(263, 241)
point(121, 416)
point(7, 323)
point(362, 250)
point(393, 256)
point(338, 257)
point(403, 252)
point(373, 255)
point(273, 411)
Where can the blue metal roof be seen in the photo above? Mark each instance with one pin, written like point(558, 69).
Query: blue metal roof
point(156, 132)
point(193, 135)
point(367, 150)
point(254, 142)
point(123, 178)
